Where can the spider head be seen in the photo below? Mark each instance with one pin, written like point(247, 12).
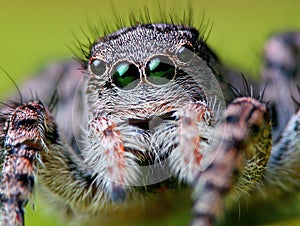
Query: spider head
point(148, 71)
point(141, 78)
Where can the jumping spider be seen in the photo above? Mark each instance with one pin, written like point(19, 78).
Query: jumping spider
point(150, 115)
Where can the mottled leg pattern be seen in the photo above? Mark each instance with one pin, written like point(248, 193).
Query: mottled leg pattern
point(245, 145)
point(282, 73)
point(24, 134)
point(242, 144)
point(283, 169)
point(31, 145)
point(31, 137)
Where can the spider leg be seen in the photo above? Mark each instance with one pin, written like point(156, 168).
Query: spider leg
point(30, 136)
point(282, 171)
point(281, 74)
point(242, 146)
point(19, 163)
point(32, 146)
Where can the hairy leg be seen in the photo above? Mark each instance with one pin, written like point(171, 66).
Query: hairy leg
point(281, 74)
point(31, 137)
point(33, 145)
point(238, 158)
point(282, 172)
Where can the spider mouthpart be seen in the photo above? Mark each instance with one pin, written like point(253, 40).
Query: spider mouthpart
point(150, 124)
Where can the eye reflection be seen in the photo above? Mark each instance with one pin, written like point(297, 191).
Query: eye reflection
point(97, 67)
point(126, 75)
point(186, 53)
point(160, 70)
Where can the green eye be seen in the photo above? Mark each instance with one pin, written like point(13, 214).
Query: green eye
point(186, 53)
point(98, 67)
point(160, 70)
point(126, 75)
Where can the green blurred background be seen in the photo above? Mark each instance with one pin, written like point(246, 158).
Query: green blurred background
point(34, 33)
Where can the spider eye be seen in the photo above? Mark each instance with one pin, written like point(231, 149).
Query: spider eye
point(160, 70)
point(126, 75)
point(98, 67)
point(186, 53)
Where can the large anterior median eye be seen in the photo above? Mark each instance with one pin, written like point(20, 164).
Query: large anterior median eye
point(160, 70)
point(126, 75)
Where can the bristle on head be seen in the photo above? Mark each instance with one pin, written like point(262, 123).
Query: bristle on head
point(81, 50)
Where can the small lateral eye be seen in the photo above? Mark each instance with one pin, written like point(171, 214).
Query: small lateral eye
point(160, 70)
point(97, 66)
point(126, 75)
point(186, 53)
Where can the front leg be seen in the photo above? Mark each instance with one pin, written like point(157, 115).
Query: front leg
point(23, 140)
point(33, 145)
point(238, 158)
